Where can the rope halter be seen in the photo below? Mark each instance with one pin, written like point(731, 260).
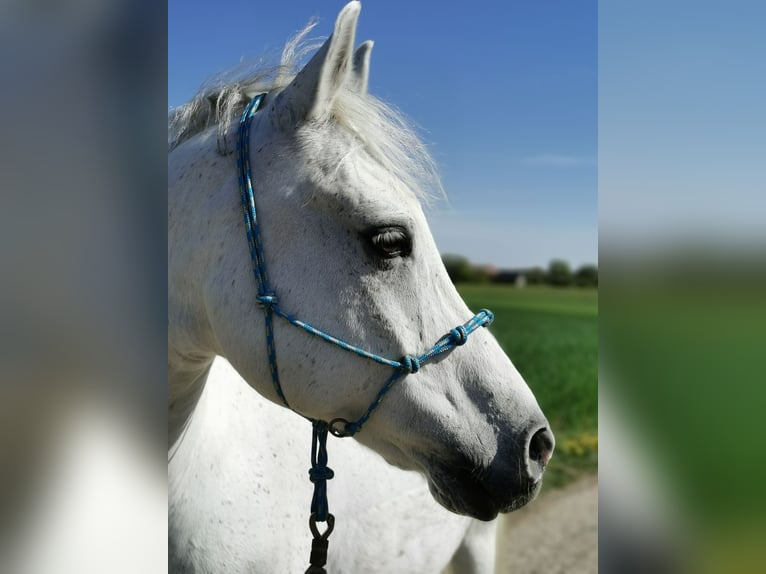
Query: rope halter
point(267, 299)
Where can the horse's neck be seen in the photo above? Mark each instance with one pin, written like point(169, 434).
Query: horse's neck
point(190, 342)
point(185, 385)
point(239, 481)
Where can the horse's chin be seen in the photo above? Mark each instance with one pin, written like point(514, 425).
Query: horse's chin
point(475, 492)
point(462, 493)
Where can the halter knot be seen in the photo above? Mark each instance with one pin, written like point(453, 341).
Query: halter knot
point(411, 364)
point(267, 300)
point(459, 335)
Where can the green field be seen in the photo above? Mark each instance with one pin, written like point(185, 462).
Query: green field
point(551, 335)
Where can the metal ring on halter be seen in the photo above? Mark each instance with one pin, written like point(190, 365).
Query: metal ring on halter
point(339, 432)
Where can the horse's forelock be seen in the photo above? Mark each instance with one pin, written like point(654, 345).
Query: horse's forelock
point(222, 97)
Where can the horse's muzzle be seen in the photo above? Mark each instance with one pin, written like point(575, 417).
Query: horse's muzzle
point(507, 484)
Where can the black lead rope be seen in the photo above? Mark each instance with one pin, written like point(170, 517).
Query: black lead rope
point(319, 474)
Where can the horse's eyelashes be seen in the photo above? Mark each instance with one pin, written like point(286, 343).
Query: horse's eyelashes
point(390, 242)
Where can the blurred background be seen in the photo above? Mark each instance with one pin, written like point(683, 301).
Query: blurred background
point(682, 142)
point(529, 108)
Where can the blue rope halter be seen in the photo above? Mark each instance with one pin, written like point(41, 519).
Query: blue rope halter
point(320, 473)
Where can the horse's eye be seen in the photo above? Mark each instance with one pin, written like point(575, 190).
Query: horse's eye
point(390, 242)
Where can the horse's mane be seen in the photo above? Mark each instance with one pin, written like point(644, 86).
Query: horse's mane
point(384, 132)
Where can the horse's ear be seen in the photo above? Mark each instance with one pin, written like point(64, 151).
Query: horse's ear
point(361, 76)
point(310, 95)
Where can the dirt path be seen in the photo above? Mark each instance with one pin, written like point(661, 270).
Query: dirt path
point(556, 534)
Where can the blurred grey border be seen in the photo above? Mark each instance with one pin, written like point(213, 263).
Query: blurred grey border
point(83, 109)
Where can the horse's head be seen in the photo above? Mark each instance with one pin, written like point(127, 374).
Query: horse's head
point(349, 250)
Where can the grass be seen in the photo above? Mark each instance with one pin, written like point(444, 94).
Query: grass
point(551, 335)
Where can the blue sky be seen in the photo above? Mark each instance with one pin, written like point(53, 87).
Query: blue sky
point(504, 93)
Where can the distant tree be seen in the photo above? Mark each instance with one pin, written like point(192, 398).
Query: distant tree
point(586, 276)
point(535, 276)
point(458, 267)
point(559, 273)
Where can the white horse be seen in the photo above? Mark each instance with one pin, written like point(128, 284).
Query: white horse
point(338, 179)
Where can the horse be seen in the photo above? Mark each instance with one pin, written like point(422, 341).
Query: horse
point(339, 179)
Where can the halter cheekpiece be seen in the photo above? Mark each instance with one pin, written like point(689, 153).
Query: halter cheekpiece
point(267, 299)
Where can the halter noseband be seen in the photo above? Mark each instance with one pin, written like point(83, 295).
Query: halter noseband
point(268, 300)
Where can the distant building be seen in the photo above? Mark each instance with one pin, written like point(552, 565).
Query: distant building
point(515, 277)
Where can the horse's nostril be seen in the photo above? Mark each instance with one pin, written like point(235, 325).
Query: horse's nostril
point(540, 451)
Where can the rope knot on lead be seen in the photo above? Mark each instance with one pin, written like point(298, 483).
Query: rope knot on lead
point(319, 473)
point(411, 364)
point(459, 335)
